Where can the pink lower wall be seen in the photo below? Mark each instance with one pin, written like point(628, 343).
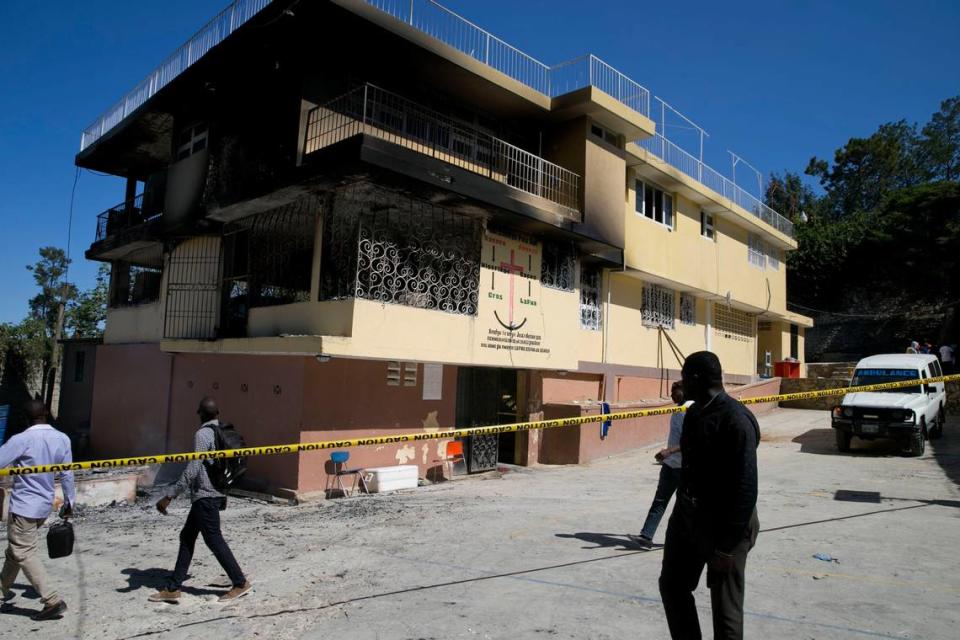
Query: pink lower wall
point(130, 398)
point(261, 395)
point(571, 387)
point(575, 445)
point(351, 399)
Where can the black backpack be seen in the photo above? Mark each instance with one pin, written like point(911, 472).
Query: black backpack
point(224, 472)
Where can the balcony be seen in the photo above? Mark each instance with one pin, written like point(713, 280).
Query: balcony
point(128, 231)
point(375, 112)
point(693, 167)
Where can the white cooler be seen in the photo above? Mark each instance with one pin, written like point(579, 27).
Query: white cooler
point(380, 479)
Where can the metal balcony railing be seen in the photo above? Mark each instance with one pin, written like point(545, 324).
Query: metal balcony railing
point(123, 217)
point(374, 111)
point(456, 31)
point(429, 17)
point(214, 32)
point(693, 167)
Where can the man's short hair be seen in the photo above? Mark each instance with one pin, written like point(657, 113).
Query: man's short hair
point(35, 410)
point(705, 365)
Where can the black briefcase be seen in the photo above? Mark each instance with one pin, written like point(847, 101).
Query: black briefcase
point(60, 539)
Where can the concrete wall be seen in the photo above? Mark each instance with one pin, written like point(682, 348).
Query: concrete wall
point(76, 387)
point(575, 445)
point(131, 395)
point(140, 323)
point(352, 399)
point(797, 385)
point(261, 395)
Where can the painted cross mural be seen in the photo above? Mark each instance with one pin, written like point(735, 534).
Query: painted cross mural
point(514, 266)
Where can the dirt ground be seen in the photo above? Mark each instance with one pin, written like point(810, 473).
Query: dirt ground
point(539, 553)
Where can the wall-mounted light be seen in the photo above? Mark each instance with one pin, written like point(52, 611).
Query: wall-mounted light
point(322, 357)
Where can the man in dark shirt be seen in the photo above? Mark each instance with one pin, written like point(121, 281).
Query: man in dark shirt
point(714, 521)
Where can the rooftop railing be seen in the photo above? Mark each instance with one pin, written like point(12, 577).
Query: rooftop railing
point(212, 34)
point(693, 167)
point(456, 31)
point(374, 111)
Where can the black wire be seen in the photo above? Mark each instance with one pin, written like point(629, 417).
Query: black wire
point(868, 315)
point(73, 195)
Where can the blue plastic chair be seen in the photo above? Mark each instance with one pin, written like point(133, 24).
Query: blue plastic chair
point(339, 459)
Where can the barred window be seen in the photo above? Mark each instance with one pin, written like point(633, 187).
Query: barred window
point(558, 265)
point(688, 309)
point(756, 253)
point(773, 257)
point(590, 313)
point(658, 306)
point(734, 324)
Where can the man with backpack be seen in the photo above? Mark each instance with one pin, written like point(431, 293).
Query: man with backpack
point(208, 500)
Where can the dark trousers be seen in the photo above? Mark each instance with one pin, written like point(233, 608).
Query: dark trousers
point(204, 519)
point(669, 480)
point(687, 550)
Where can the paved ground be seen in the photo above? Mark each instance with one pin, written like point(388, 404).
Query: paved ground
point(541, 553)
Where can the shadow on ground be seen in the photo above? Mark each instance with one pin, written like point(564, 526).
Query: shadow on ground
point(155, 579)
point(607, 540)
point(946, 449)
point(823, 442)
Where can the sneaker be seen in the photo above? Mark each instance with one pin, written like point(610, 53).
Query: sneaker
point(51, 611)
point(641, 541)
point(171, 596)
point(236, 592)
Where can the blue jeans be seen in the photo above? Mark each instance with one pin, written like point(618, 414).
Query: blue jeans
point(669, 481)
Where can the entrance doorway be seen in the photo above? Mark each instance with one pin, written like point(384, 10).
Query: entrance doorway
point(487, 397)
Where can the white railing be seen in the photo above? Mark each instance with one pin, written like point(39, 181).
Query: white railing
point(214, 32)
point(373, 111)
point(456, 31)
point(693, 167)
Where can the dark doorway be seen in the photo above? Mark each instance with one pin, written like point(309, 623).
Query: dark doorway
point(488, 397)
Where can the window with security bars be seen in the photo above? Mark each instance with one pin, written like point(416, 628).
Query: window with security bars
point(734, 324)
point(557, 266)
point(756, 251)
point(658, 306)
point(773, 257)
point(590, 313)
point(688, 309)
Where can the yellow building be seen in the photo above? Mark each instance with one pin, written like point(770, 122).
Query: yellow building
point(371, 216)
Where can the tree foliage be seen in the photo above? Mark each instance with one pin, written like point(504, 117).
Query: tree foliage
point(888, 219)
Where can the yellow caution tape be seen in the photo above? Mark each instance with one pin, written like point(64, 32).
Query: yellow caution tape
point(280, 449)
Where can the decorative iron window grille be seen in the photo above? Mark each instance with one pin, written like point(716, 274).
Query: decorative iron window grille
point(688, 309)
point(591, 316)
point(658, 306)
point(734, 324)
point(558, 266)
point(384, 246)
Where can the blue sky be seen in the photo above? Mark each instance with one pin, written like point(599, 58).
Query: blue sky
point(776, 82)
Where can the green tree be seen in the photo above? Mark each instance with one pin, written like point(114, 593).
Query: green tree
point(87, 313)
point(865, 170)
point(940, 142)
point(48, 273)
point(788, 195)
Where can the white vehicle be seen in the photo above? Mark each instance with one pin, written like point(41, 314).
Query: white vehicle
point(909, 415)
